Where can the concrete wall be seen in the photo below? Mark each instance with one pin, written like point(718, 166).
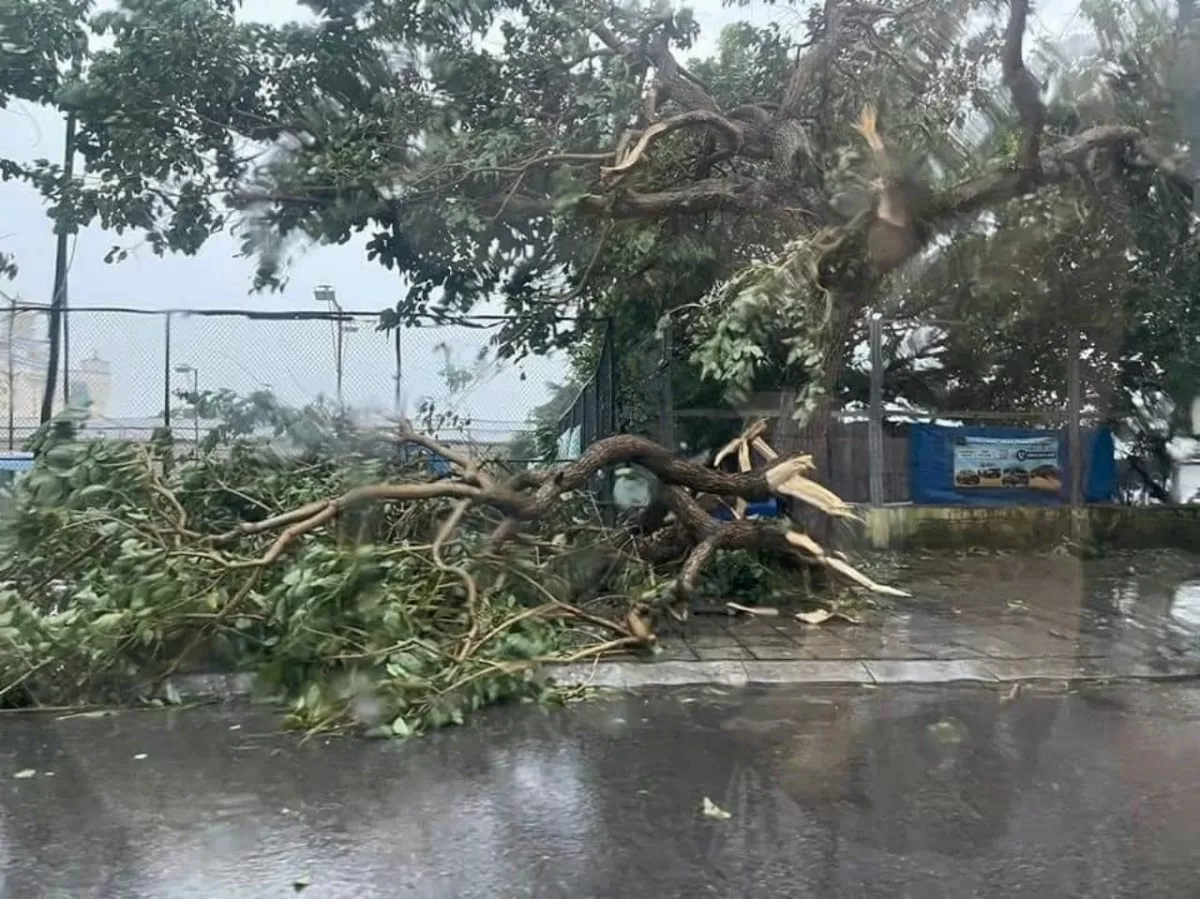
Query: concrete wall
point(1031, 528)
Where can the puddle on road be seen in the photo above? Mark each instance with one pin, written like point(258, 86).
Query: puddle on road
point(1185, 606)
point(1144, 604)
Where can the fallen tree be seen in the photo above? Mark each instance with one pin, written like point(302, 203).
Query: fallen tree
point(365, 589)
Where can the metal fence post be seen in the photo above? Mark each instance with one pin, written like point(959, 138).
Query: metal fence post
point(875, 426)
point(397, 398)
point(606, 382)
point(66, 356)
point(614, 384)
point(12, 396)
point(597, 417)
point(167, 371)
point(666, 396)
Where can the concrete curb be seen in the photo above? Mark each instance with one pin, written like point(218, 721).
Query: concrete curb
point(225, 687)
point(631, 675)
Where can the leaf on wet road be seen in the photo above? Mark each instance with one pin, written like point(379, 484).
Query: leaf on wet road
point(949, 731)
point(766, 611)
point(91, 713)
point(713, 811)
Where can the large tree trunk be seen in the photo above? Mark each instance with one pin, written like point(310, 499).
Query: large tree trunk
point(821, 427)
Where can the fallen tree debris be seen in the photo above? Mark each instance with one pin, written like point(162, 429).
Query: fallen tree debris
point(366, 590)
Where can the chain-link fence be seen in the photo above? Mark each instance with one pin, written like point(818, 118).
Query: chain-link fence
point(979, 389)
point(593, 415)
point(134, 370)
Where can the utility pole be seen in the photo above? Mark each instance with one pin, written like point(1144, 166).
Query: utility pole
point(58, 302)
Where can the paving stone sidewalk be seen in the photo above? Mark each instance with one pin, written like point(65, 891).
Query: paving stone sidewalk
point(991, 619)
point(988, 619)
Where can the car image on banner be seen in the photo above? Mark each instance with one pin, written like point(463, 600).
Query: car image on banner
point(1027, 463)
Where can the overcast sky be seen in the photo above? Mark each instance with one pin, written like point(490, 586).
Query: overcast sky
point(295, 359)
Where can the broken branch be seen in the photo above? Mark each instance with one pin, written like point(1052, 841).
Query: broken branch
point(699, 117)
point(1025, 92)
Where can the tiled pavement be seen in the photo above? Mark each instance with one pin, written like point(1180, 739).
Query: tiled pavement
point(991, 619)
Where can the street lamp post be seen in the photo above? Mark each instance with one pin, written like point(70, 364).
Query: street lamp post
point(191, 369)
point(325, 294)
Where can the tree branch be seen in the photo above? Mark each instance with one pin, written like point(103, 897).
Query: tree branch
point(1055, 165)
point(1148, 156)
point(839, 15)
point(1025, 92)
point(813, 64)
point(672, 81)
point(697, 117)
point(710, 194)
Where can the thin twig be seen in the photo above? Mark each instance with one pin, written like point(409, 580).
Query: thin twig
point(24, 677)
point(222, 615)
point(598, 649)
point(472, 587)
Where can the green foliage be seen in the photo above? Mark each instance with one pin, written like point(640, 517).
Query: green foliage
point(40, 39)
point(111, 574)
point(539, 443)
point(770, 314)
point(468, 143)
point(316, 429)
point(744, 577)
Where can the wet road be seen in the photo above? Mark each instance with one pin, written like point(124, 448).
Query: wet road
point(889, 792)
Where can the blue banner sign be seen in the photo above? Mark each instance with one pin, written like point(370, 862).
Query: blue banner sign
point(986, 466)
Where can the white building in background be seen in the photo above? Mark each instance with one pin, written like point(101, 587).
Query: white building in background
point(24, 351)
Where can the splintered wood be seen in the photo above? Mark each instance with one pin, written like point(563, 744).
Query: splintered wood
point(787, 479)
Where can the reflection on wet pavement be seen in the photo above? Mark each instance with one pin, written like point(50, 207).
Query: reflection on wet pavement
point(888, 792)
point(1141, 609)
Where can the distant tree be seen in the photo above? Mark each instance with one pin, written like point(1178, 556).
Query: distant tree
point(538, 442)
point(79, 395)
point(567, 157)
